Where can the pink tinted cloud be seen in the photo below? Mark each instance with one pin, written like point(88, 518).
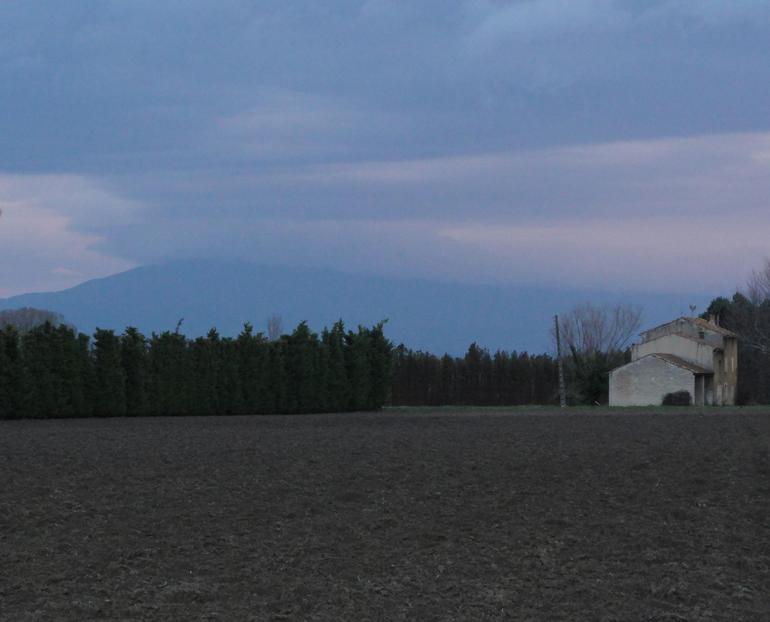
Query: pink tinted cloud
point(43, 245)
point(687, 214)
point(674, 254)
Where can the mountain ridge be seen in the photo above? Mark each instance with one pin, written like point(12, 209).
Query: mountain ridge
point(436, 316)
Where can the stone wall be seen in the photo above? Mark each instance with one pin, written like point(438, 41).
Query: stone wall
point(646, 381)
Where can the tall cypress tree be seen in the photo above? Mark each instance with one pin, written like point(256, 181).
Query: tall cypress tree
point(81, 377)
point(380, 367)
point(447, 380)
point(204, 353)
point(302, 347)
point(43, 391)
point(278, 397)
point(231, 400)
point(336, 381)
point(109, 376)
point(171, 374)
point(53, 369)
point(359, 368)
point(254, 369)
point(135, 362)
point(472, 375)
point(10, 363)
point(498, 379)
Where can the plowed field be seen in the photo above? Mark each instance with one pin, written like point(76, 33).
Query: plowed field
point(427, 515)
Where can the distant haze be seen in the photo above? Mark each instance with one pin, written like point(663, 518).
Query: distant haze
point(430, 315)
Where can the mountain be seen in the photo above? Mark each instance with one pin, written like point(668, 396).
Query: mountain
point(429, 315)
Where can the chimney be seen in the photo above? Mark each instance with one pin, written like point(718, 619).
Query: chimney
point(713, 319)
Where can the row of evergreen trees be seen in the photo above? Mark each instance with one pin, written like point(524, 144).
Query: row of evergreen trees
point(51, 371)
point(477, 379)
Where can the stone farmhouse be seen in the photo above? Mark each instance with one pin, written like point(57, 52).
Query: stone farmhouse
point(688, 354)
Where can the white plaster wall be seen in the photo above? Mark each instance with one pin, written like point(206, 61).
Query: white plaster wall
point(646, 381)
point(699, 353)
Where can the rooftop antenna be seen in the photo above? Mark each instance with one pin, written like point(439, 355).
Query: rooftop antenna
point(692, 309)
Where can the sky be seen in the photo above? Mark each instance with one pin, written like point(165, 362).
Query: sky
point(610, 144)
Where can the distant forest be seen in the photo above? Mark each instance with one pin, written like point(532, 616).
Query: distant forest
point(49, 370)
point(477, 379)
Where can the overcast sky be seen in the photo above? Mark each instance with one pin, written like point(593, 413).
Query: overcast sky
point(590, 143)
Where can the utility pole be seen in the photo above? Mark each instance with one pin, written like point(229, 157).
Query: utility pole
point(562, 389)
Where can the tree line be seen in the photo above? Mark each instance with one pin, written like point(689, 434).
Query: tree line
point(594, 340)
point(53, 371)
point(476, 379)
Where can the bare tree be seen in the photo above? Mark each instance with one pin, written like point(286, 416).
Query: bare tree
point(27, 318)
point(589, 328)
point(750, 311)
point(758, 285)
point(596, 337)
point(274, 327)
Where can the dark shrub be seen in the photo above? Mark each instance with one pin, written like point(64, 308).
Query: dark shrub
point(679, 398)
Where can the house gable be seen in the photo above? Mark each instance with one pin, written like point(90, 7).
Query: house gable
point(693, 350)
point(646, 381)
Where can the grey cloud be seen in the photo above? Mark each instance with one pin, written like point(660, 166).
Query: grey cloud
point(224, 120)
point(512, 217)
point(700, 174)
point(529, 21)
point(106, 86)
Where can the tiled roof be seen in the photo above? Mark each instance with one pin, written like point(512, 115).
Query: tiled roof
point(699, 322)
point(680, 362)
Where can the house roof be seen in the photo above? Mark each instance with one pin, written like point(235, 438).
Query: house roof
point(697, 321)
point(680, 362)
point(683, 335)
point(672, 360)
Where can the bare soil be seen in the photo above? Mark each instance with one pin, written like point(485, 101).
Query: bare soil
point(427, 515)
